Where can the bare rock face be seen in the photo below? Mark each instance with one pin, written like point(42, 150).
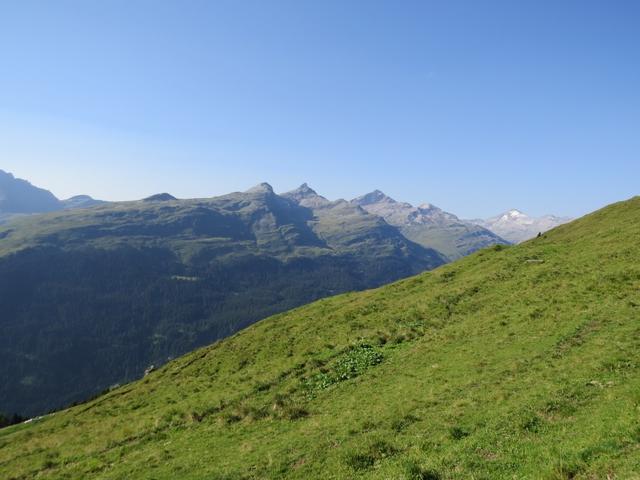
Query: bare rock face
point(517, 226)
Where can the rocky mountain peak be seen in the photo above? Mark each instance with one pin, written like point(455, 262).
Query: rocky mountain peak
point(261, 188)
point(401, 213)
point(376, 196)
point(306, 196)
point(514, 214)
point(304, 190)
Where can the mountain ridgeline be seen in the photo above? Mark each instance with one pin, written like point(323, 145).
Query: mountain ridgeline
point(18, 197)
point(430, 226)
point(91, 297)
point(514, 362)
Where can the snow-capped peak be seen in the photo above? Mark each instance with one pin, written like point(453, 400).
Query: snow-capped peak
point(517, 226)
point(513, 213)
point(426, 206)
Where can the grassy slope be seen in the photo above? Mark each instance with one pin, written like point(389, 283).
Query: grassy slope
point(520, 362)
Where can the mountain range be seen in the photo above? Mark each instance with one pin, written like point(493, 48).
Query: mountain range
point(517, 227)
point(513, 362)
point(430, 226)
point(426, 224)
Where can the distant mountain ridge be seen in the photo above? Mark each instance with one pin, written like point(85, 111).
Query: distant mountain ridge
point(430, 226)
point(160, 197)
point(20, 197)
point(516, 226)
point(81, 201)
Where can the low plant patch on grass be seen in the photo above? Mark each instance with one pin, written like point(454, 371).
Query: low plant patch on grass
point(350, 364)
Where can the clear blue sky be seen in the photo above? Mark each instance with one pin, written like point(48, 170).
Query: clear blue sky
point(476, 106)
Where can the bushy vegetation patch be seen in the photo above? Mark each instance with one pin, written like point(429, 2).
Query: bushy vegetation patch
point(376, 452)
point(350, 364)
point(413, 471)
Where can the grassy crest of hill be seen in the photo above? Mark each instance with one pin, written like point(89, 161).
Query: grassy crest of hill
point(515, 362)
point(92, 297)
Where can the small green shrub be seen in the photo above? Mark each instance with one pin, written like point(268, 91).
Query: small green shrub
point(262, 387)
point(399, 424)
point(293, 412)
point(359, 461)
point(532, 424)
point(378, 450)
point(413, 471)
point(230, 418)
point(567, 470)
point(368, 425)
point(381, 449)
point(458, 433)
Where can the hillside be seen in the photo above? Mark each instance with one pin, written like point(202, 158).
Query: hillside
point(430, 226)
point(515, 362)
point(92, 297)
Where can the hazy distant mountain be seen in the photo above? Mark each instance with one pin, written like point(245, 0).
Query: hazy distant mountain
point(81, 201)
point(160, 197)
point(517, 226)
point(18, 196)
point(93, 296)
point(429, 225)
point(307, 197)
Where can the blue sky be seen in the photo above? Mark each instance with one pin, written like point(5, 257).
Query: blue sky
point(475, 106)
